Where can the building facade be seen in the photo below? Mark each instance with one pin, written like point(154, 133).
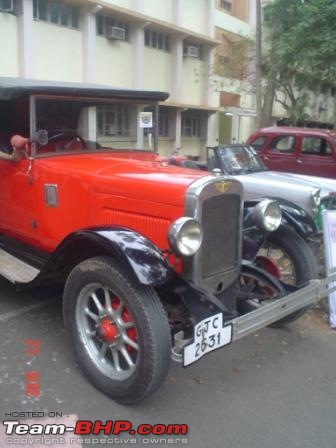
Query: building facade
point(166, 45)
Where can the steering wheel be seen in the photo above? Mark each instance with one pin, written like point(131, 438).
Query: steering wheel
point(73, 138)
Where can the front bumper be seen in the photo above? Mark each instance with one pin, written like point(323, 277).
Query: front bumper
point(255, 320)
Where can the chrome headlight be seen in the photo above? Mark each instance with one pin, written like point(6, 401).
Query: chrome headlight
point(185, 236)
point(267, 215)
point(316, 197)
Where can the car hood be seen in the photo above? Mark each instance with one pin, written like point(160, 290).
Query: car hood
point(327, 185)
point(137, 176)
point(275, 182)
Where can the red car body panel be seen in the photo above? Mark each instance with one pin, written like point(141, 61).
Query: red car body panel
point(102, 188)
point(297, 160)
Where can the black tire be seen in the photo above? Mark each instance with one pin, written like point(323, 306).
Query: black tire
point(301, 257)
point(127, 307)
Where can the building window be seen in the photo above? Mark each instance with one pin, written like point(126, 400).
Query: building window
point(57, 12)
point(191, 124)
point(113, 120)
point(157, 40)
point(8, 6)
point(163, 122)
point(112, 28)
point(226, 5)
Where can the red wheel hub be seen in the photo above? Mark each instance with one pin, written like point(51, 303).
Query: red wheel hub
point(126, 316)
point(269, 266)
point(108, 330)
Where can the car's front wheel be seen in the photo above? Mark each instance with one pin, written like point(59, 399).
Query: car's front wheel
point(118, 329)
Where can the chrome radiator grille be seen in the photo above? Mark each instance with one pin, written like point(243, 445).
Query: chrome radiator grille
point(220, 221)
point(217, 203)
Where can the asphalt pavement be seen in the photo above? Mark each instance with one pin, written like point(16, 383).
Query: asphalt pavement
point(275, 389)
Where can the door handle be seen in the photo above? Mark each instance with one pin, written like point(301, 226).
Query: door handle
point(266, 158)
point(299, 161)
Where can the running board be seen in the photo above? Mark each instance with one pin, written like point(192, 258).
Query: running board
point(265, 315)
point(16, 270)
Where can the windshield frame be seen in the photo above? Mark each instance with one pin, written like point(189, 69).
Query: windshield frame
point(248, 149)
point(32, 118)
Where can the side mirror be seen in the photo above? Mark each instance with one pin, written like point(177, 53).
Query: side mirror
point(41, 137)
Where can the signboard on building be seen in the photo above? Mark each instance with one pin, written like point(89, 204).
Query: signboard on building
point(146, 119)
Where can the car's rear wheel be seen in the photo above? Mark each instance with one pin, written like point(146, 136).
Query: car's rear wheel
point(118, 329)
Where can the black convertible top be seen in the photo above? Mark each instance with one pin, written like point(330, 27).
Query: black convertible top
point(11, 88)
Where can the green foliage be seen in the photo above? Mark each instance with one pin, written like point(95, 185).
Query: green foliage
point(300, 49)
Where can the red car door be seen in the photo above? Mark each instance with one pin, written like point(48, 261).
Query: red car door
point(17, 197)
point(316, 156)
point(280, 153)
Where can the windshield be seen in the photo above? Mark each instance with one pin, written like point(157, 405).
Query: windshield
point(68, 125)
point(240, 160)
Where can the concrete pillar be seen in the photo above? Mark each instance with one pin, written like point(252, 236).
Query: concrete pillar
point(212, 130)
point(235, 127)
point(178, 129)
point(210, 25)
point(140, 132)
point(138, 5)
point(25, 39)
point(252, 13)
point(88, 24)
point(178, 12)
point(137, 38)
point(208, 61)
point(177, 68)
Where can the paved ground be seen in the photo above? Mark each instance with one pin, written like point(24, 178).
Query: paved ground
point(275, 389)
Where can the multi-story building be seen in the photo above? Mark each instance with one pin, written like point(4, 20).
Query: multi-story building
point(167, 45)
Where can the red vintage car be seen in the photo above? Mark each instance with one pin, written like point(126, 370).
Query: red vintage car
point(149, 254)
point(297, 150)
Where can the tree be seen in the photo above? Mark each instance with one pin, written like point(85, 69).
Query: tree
point(299, 54)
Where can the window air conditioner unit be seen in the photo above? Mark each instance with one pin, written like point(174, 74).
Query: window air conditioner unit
point(191, 51)
point(115, 33)
point(8, 6)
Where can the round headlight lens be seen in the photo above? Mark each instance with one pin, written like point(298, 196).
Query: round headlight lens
point(316, 197)
point(267, 215)
point(185, 236)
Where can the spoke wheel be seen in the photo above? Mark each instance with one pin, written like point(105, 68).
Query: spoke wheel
point(118, 330)
point(108, 331)
point(288, 257)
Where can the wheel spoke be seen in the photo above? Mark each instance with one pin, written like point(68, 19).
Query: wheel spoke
point(90, 332)
point(118, 310)
point(127, 357)
point(116, 362)
point(108, 305)
point(127, 325)
point(97, 303)
point(130, 342)
point(92, 315)
point(103, 349)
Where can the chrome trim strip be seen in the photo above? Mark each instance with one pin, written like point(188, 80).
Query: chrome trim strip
point(51, 195)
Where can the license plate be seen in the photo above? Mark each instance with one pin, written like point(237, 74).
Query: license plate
point(209, 334)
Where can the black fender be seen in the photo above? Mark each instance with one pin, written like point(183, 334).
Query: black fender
point(298, 218)
point(133, 250)
point(292, 214)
